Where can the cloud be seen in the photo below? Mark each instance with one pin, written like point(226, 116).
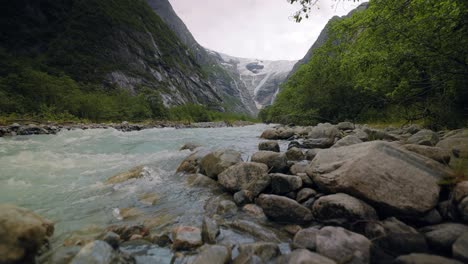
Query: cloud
point(262, 29)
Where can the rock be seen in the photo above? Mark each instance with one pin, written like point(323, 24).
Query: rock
point(432, 217)
point(243, 197)
point(186, 238)
point(424, 259)
point(126, 232)
point(304, 256)
point(460, 248)
point(31, 129)
point(463, 209)
point(276, 162)
point(22, 234)
point(345, 126)
point(342, 209)
point(218, 161)
point(395, 237)
point(347, 141)
point(424, 137)
point(292, 229)
point(324, 131)
point(210, 230)
point(285, 133)
point(282, 183)
point(311, 153)
point(134, 173)
point(254, 211)
point(254, 230)
point(283, 209)
point(299, 167)
point(320, 143)
point(162, 239)
point(294, 144)
point(393, 180)
point(96, 252)
point(213, 254)
point(435, 153)
point(375, 134)
point(264, 250)
point(304, 194)
point(190, 146)
point(440, 238)
point(127, 213)
point(412, 129)
point(191, 163)
point(269, 146)
point(200, 180)
point(112, 239)
point(306, 238)
point(306, 180)
point(295, 154)
point(248, 259)
point(359, 133)
point(64, 255)
point(248, 176)
point(227, 208)
point(149, 198)
point(343, 246)
point(270, 134)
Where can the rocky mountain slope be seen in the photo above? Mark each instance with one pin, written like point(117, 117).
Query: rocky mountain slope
point(262, 78)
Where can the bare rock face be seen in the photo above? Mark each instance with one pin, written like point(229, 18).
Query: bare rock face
point(22, 234)
point(283, 209)
point(393, 180)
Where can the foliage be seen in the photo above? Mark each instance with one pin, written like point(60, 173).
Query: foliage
point(400, 60)
point(306, 7)
point(199, 113)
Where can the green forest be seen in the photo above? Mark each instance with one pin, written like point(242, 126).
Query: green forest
point(396, 61)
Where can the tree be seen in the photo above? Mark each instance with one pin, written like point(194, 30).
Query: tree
point(306, 7)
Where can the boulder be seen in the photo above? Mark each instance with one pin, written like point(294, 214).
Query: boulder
point(304, 194)
point(304, 256)
point(210, 230)
point(279, 208)
point(190, 146)
point(97, 252)
point(218, 161)
point(276, 162)
point(254, 230)
point(64, 255)
point(306, 238)
point(269, 146)
point(282, 183)
point(213, 254)
point(325, 130)
point(342, 209)
point(295, 154)
point(359, 133)
point(418, 258)
point(320, 143)
point(248, 176)
point(311, 153)
point(186, 238)
point(345, 126)
point(435, 153)
point(395, 237)
point(22, 234)
point(463, 209)
point(440, 238)
point(266, 251)
point(134, 173)
point(226, 208)
point(254, 210)
point(202, 181)
point(299, 167)
point(460, 248)
point(376, 134)
point(270, 134)
point(424, 137)
point(343, 246)
point(459, 201)
point(393, 180)
point(191, 163)
point(243, 197)
point(347, 141)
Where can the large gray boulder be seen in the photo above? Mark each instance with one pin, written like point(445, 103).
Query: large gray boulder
point(213, 254)
point(324, 130)
point(342, 209)
point(266, 251)
point(248, 176)
point(295, 154)
point(283, 209)
point(192, 162)
point(186, 238)
point(347, 141)
point(343, 246)
point(393, 180)
point(460, 248)
point(435, 153)
point(419, 258)
point(424, 137)
point(216, 162)
point(97, 252)
point(269, 146)
point(304, 256)
point(306, 238)
point(282, 183)
point(22, 234)
point(441, 237)
point(276, 162)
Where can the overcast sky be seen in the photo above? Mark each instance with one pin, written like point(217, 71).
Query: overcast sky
point(262, 29)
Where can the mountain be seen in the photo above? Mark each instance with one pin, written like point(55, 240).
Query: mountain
point(262, 78)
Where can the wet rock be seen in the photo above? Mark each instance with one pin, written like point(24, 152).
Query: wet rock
point(299, 167)
point(343, 246)
point(320, 143)
point(191, 163)
point(282, 183)
point(248, 176)
point(342, 209)
point(424, 137)
point(283, 209)
point(304, 194)
point(459, 201)
point(306, 180)
point(463, 209)
point(186, 238)
point(97, 252)
point(269, 146)
point(460, 191)
point(254, 210)
point(132, 212)
point(306, 238)
point(395, 237)
point(213, 254)
point(134, 173)
point(347, 141)
point(435, 153)
point(292, 229)
point(64, 255)
point(432, 217)
point(126, 232)
point(227, 208)
point(440, 238)
point(294, 144)
point(190, 146)
point(218, 161)
point(304, 256)
point(276, 162)
point(243, 197)
point(162, 240)
point(248, 259)
point(210, 230)
point(395, 181)
point(264, 250)
point(200, 180)
point(22, 234)
point(270, 134)
point(418, 258)
point(254, 230)
point(295, 154)
point(149, 198)
point(460, 248)
point(112, 239)
point(31, 129)
point(311, 153)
